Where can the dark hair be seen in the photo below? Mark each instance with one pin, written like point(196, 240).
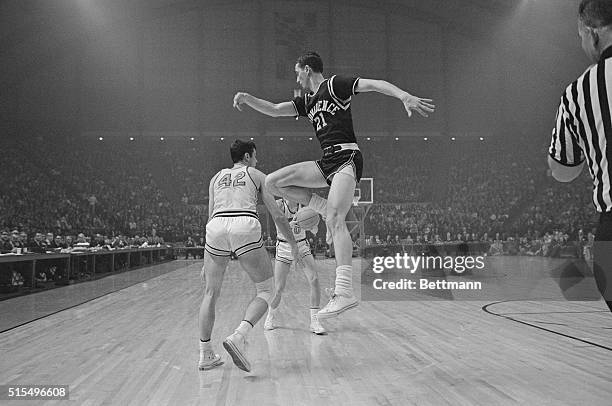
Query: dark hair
point(311, 59)
point(239, 148)
point(595, 13)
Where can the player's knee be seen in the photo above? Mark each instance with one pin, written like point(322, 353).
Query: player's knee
point(271, 181)
point(212, 291)
point(264, 289)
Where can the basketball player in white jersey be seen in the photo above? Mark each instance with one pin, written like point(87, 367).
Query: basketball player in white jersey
point(282, 265)
point(234, 227)
point(327, 105)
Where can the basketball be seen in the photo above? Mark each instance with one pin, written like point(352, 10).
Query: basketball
point(307, 218)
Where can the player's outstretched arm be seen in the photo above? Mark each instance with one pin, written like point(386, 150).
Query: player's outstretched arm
point(263, 106)
point(418, 104)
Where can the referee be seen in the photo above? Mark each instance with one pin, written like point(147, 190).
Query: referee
point(584, 128)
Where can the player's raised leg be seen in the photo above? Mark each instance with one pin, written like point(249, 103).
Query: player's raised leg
point(294, 181)
point(339, 202)
point(212, 275)
point(257, 265)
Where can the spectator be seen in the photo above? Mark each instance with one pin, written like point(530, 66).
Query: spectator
point(17, 279)
point(58, 243)
point(48, 241)
point(5, 243)
point(496, 248)
point(37, 246)
point(16, 241)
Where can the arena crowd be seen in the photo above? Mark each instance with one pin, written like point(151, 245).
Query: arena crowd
point(120, 191)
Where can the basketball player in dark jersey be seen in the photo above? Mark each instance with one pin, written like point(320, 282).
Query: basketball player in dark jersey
point(327, 105)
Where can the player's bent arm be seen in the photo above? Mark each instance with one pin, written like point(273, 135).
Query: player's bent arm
point(564, 173)
point(277, 215)
point(283, 109)
point(211, 197)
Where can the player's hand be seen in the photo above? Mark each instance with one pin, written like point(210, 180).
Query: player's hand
point(420, 105)
point(239, 99)
point(296, 255)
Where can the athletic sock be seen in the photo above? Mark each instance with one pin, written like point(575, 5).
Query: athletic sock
point(205, 345)
point(313, 311)
point(244, 328)
point(344, 280)
point(318, 204)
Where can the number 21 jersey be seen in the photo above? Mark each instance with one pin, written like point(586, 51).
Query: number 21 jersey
point(329, 110)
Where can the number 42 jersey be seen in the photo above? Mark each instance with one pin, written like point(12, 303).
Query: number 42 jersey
point(235, 191)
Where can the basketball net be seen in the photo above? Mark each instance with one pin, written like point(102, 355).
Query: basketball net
point(356, 196)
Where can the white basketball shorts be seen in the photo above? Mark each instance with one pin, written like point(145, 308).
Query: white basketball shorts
point(284, 254)
point(239, 235)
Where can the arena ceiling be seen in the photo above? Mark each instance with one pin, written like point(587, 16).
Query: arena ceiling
point(32, 32)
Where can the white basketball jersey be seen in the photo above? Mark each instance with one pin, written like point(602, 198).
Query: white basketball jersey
point(298, 232)
point(235, 190)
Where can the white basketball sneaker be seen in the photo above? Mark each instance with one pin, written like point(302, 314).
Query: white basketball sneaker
point(209, 360)
point(235, 345)
point(316, 327)
point(336, 305)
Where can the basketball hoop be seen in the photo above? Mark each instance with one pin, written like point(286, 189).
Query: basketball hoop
point(356, 196)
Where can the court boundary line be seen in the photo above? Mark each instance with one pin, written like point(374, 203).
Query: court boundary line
point(485, 308)
point(87, 301)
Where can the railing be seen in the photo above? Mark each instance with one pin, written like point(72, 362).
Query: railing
point(27, 273)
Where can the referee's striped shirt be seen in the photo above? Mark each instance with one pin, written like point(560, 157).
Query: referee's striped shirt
point(584, 127)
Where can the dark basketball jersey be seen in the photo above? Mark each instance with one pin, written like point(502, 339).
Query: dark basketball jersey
point(329, 110)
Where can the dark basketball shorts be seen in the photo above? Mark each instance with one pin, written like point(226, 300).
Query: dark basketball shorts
point(334, 162)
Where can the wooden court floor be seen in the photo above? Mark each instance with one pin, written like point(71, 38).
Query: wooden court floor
point(138, 346)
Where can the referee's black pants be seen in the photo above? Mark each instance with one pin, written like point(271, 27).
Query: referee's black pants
point(602, 257)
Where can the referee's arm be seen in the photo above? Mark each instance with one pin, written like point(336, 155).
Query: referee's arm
point(565, 157)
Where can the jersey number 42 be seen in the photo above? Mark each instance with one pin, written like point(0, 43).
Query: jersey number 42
point(226, 180)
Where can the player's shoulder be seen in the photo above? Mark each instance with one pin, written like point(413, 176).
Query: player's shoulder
point(216, 175)
point(339, 76)
point(332, 78)
point(257, 176)
point(335, 78)
point(255, 173)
